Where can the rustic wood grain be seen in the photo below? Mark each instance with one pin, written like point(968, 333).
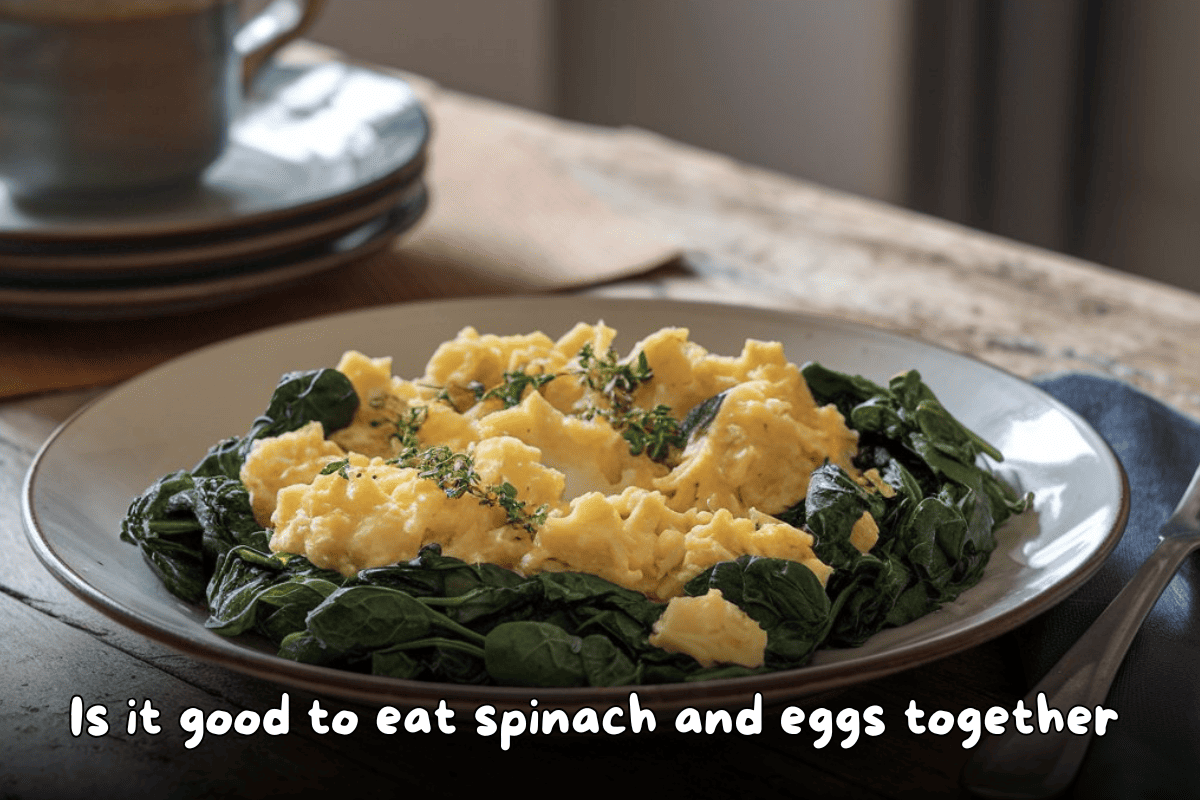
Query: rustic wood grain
point(761, 238)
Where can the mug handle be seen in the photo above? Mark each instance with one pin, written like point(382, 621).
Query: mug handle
point(261, 36)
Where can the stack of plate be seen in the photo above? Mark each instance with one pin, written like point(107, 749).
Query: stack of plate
point(325, 166)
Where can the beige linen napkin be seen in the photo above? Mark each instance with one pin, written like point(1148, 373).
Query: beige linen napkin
point(504, 217)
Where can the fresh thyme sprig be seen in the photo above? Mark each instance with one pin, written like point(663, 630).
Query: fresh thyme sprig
point(455, 474)
point(615, 380)
point(654, 432)
point(606, 374)
point(442, 394)
point(509, 391)
point(505, 496)
point(405, 427)
point(512, 389)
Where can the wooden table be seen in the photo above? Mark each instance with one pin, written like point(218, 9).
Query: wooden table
point(752, 237)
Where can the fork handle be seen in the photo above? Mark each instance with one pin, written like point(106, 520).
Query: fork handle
point(1037, 765)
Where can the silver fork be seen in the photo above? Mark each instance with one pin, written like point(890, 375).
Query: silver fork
point(1015, 765)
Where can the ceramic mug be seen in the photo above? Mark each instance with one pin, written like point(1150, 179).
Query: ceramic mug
point(100, 97)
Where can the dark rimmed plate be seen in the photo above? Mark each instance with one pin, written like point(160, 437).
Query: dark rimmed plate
point(206, 286)
point(149, 262)
point(167, 418)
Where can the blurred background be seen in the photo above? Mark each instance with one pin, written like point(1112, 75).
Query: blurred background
point(1069, 124)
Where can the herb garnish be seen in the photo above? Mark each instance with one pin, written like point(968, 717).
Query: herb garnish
point(505, 496)
point(654, 432)
point(509, 391)
point(610, 377)
point(513, 388)
point(406, 426)
point(442, 396)
point(339, 467)
point(455, 474)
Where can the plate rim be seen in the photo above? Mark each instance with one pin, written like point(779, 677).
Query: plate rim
point(774, 687)
point(196, 257)
point(175, 295)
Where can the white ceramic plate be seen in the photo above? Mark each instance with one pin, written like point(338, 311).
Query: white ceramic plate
point(83, 479)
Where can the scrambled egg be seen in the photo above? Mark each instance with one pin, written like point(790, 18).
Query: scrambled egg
point(711, 630)
point(528, 463)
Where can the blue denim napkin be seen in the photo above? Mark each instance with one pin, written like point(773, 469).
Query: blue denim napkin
point(1153, 748)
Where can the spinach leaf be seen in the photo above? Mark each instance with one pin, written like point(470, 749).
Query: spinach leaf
point(302, 646)
point(784, 597)
point(531, 653)
point(169, 537)
point(605, 664)
point(840, 389)
point(222, 507)
point(370, 623)
point(452, 661)
point(487, 606)
point(435, 658)
point(864, 597)
point(567, 588)
point(833, 505)
point(224, 459)
point(937, 528)
point(184, 521)
point(322, 395)
point(394, 663)
point(701, 416)
point(432, 574)
point(355, 620)
point(183, 524)
point(906, 420)
point(961, 526)
point(930, 550)
point(588, 603)
point(283, 608)
point(252, 590)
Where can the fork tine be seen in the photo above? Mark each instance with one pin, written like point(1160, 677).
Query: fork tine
point(1187, 514)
